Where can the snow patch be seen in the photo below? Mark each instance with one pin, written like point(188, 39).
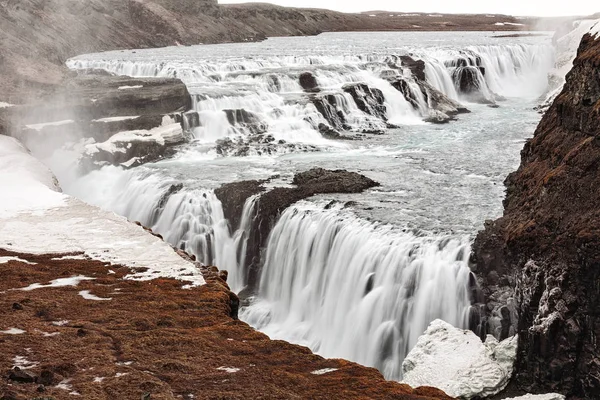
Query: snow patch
point(457, 362)
point(88, 296)
point(130, 87)
point(24, 363)
point(39, 127)
point(4, 260)
point(32, 208)
point(61, 282)
point(99, 379)
point(229, 369)
point(5, 105)
point(78, 257)
point(549, 396)
point(50, 334)
point(13, 331)
point(27, 185)
point(116, 119)
point(324, 371)
point(60, 323)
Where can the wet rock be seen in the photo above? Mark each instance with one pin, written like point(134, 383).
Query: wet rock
point(328, 107)
point(247, 120)
point(273, 202)
point(309, 82)
point(21, 376)
point(369, 100)
point(544, 249)
point(416, 67)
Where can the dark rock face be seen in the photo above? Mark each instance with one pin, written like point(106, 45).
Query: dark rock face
point(467, 79)
point(417, 67)
point(246, 119)
point(309, 82)
point(329, 108)
point(368, 100)
point(542, 258)
point(272, 203)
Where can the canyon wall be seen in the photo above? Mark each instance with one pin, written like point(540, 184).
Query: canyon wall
point(539, 265)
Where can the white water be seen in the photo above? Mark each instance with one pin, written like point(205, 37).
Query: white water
point(189, 219)
point(256, 79)
point(353, 289)
point(409, 238)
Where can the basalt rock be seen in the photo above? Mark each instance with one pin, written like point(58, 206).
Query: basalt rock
point(416, 67)
point(309, 83)
point(369, 100)
point(542, 258)
point(273, 202)
point(247, 120)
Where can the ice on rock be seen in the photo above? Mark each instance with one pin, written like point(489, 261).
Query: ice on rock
point(457, 362)
point(549, 396)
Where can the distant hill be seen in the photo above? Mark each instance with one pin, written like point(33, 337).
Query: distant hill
point(38, 36)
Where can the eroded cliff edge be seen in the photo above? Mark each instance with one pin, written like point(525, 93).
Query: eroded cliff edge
point(539, 265)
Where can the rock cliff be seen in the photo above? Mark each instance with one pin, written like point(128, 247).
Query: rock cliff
point(539, 265)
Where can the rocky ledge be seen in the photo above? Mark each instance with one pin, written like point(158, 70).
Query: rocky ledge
point(105, 336)
point(539, 265)
point(273, 202)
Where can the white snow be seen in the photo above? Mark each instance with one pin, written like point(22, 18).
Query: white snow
point(595, 30)
point(499, 23)
point(99, 379)
point(35, 218)
point(78, 257)
point(324, 371)
point(88, 296)
point(39, 127)
point(5, 105)
point(131, 87)
point(65, 385)
point(4, 260)
point(27, 185)
point(60, 323)
point(116, 119)
point(229, 369)
point(50, 334)
point(61, 282)
point(24, 363)
point(457, 362)
point(168, 132)
point(13, 331)
point(549, 396)
point(120, 374)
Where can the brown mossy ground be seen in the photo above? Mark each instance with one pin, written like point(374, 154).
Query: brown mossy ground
point(155, 338)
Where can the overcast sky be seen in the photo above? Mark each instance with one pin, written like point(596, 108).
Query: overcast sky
point(512, 7)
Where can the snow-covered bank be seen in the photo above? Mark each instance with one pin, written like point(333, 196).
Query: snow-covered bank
point(457, 362)
point(36, 218)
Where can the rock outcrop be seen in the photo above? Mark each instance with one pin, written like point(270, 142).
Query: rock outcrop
point(457, 362)
point(273, 202)
point(539, 265)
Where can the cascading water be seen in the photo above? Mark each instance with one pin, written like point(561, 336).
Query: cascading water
point(268, 85)
point(349, 288)
point(191, 220)
point(330, 279)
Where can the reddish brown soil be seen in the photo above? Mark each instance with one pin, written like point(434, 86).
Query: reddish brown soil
point(159, 339)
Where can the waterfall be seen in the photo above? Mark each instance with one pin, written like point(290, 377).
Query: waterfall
point(188, 219)
point(268, 86)
point(350, 288)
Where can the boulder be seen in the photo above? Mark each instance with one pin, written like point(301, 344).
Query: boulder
point(457, 362)
point(309, 82)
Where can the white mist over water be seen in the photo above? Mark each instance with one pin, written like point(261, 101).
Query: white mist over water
point(364, 283)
